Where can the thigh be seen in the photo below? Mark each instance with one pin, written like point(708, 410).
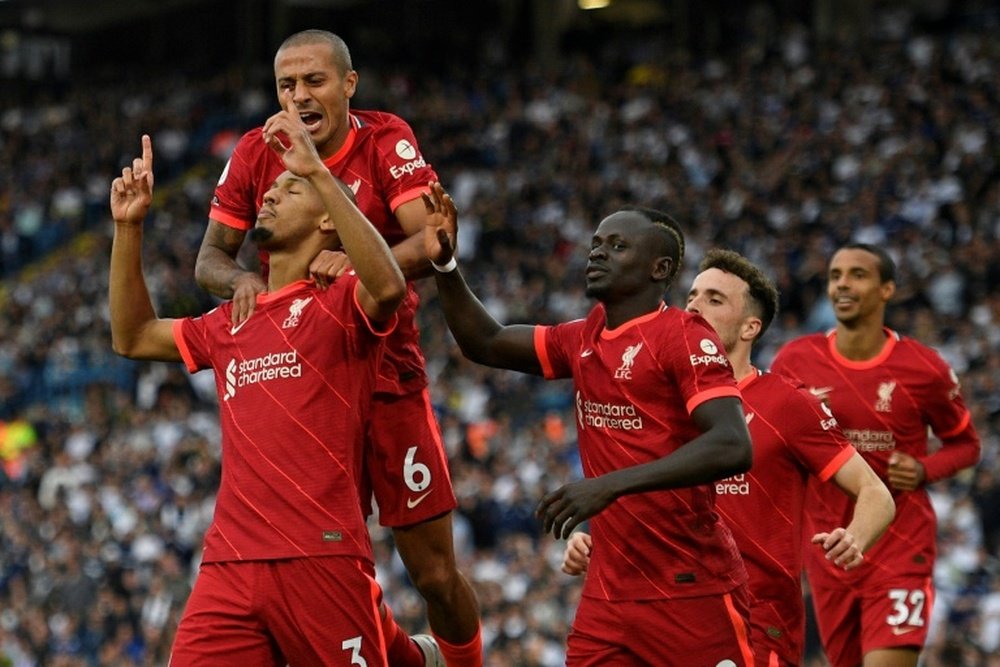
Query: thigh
point(324, 611)
point(405, 461)
point(838, 619)
point(219, 625)
point(687, 632)
point(896, 612)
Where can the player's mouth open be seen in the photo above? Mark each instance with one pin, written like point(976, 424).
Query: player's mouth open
point(312, 120)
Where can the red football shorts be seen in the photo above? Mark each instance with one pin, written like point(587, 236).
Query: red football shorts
point(683, 632)
point(405, 461)
point(883, 612)
point(298, 611)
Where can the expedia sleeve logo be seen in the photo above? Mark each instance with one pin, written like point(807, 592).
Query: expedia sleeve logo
point(711, 355)
point(414, 160)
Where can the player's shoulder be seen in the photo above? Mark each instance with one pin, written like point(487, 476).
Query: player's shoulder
point(812, 341)
point(369, 120)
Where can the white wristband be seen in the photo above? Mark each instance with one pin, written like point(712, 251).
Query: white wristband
point(446, 268)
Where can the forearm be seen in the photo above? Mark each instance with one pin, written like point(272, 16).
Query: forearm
point(874, 510)
point(701, 461)
point(412, 258)
point(216, 271)
point(371, 257)
point(128, 297)
point(957, 452)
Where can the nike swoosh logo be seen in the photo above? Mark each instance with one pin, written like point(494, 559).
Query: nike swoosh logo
point(413, 502)
point(750, 416)
point(586, 353)
point(238, 327)
point(820, 392)
point(902, 631)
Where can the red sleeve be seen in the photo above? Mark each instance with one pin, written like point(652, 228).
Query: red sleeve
point(406, 171)
point(951, 422)
point(234, 201)
point(555, 346)
point(192, 337)
point(704, 371)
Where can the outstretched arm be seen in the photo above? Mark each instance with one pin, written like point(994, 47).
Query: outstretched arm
point(381, 285)
point(482, 338)
point(874, 510)
point(135, 330)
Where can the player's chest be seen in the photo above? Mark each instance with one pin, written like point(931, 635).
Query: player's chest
point(880, 394)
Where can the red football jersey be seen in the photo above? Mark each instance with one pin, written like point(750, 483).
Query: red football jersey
point(382, 164)
point(295, 382)
point(635, 388)
point(883, 405)
point(795, 437)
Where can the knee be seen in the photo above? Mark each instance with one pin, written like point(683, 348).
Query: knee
point(435, 577)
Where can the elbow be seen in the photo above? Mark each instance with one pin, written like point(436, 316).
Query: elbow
point(740, 453)
point(121, 347)
point(392, 294)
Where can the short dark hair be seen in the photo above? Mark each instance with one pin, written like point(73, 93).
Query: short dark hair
point(886, 267)
point(338, 47)
point(761, 289)
point(673, 237)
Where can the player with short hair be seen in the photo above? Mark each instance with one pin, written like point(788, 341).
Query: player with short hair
point(285, 570)
point(658, 420)
point(376, 154)
point(795, 438)
point(887, 391)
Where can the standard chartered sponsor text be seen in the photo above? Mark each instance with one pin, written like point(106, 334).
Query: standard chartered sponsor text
point(610, 415)
point(269, 367)
point(868, 440)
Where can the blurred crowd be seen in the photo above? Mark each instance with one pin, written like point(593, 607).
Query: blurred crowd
point(782, 150)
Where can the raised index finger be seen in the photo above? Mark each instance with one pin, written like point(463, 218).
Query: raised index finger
point(147, 154)
point(286, 101)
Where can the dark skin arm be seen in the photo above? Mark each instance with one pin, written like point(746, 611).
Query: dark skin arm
point(723, 449)
point(481, 338)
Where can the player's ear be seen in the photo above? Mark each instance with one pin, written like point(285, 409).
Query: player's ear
point(661, 268)
point(350, 83)
point(750, 329)
point(888, 289)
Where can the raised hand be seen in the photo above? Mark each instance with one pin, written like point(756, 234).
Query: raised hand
point(287, 135)
point(441, 228)
point(132, 192)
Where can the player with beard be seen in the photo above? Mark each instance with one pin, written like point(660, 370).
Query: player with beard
point(285, 570)
point(795, 439)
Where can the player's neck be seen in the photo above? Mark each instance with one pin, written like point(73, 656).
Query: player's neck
point(740, 359)
point(860, 343)
point(285, 269)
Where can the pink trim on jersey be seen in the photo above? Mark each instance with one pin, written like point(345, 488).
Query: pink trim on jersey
point(890, 344)
point(740, 627)
point(611, 334)
point(709, 394)
point(177, 330)
point(389, 324)
point(404, 197)
point(836, 464)
point(961, 427)
point(228, 220)
point(342, 152)
point(267, 297)
point(542, 352)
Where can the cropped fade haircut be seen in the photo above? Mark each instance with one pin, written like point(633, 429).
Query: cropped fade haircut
point(763, 295)
point(673, 237)
point(886, 267)
point(338, 47)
